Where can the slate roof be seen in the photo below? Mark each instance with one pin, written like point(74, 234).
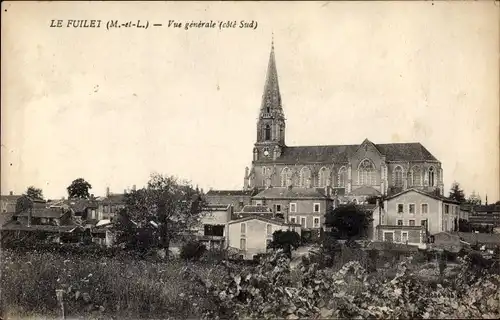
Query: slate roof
point(43, 213)
point(481, 238)
point(229, 193)
point(413, 151)
point(365, 191)
point(16, 226)
point(256, 209)
point(262, 218)
point(290, 193)
point(487, 208)
point(431, 195)
point(79, 205)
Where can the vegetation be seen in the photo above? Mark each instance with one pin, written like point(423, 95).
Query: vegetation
point(192, 250)
point(34, 193)
point(79, 188)
point(105, 287)
point(456, 193)
point(166, 207)
point(285, 240)
point(348, 221)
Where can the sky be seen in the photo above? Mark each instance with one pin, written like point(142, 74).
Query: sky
point(113, 106)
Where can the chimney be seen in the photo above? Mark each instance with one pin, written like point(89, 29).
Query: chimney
point(11, 193)
point(107, 192)
point(134, 188)
point(124, 191)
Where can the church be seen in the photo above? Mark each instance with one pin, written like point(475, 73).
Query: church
point(352, 171)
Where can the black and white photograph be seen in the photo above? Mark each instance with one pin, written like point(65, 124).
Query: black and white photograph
point(250, 160)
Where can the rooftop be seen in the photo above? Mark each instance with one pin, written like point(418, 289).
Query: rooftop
point(291, 193)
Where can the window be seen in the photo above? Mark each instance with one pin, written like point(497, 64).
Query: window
point(286, 177)
point(446, 208)
point(293, 220)
point(398, 177)
point(366, 173)
point(431, 177)
point(305, 176)
point(243, 228)
point(316, 222)
point(243, 244)
point(113, 208)
point(278, 208)
point(324, 175)
point(267, 132)
point(404, 237)
point(105, 209)
point(445, 226)
point(293, 207)
point(401, 208)
point(303, 222)
point(316, 207)
point(214, 230)
point(412, 223)
point(400, 222)
point(423, 223)
point(411, 208)
point(425, 208)
point(342, 177)
point(416, 176)
point(269, 230)
point(268, 242)
point(265, 175)
point(389, 236)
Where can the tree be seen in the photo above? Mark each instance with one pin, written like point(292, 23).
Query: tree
point(79, 188)
point(34, 193)
point(456, 193)
point(348, 221)
point(285, 240)
point(474, 199)
point(170, 206)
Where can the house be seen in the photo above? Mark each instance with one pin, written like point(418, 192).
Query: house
point(8, 202)
point(485, 217)
point(483, 240)
point(108, 207)
point(304, 206)
point(15, 230)
point(213, 230)
point(252, 233)
point(83, 209)
point(102, 233)
point(414, 207)
point(236, 198)
point(447, 241)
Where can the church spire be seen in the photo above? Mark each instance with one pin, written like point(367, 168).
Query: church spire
point(271, 98)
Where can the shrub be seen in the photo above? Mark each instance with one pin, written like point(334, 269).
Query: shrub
point(192, 250)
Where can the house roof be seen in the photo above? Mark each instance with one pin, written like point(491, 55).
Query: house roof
point(481, 238)
point(365, 191)
point(430, 195)
point(290, 193)
point(487, 208)
point(79, 205)
point(256, 209)
point(341, 153)
point(43, 213)
point(229, 193)
point(10, 197)
point(267, 219)
point(216, 206)
point(118, 198)
point(16, 226)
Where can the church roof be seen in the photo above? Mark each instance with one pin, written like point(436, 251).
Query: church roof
point(290, 193)
point(342, 153)
point(365, 191)
point(271, 97)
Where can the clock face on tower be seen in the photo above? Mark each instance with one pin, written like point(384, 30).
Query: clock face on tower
point(266, 152)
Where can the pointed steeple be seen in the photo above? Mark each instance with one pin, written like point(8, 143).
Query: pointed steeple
point(271, 98)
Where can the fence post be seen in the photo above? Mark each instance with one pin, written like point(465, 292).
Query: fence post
point(60, 300)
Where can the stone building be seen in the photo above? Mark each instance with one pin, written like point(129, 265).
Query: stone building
point(366, 169)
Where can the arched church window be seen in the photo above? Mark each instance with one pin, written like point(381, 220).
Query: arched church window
point(416, 176)
point(265, 174)
point(431, 177)
point(268, 110)
point(398, 177)
point(267, 132)
point(324, 173)
point(305, 175)
point(286, 177)
point(342, 177)
point(366, 173)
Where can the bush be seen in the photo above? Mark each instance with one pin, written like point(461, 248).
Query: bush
point(192, 250)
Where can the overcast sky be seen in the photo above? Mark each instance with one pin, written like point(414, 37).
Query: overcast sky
point(112, 106)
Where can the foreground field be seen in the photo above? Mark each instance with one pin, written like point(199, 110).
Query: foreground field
point(105, 288)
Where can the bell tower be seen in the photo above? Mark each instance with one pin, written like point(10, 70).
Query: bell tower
point(271, 123)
